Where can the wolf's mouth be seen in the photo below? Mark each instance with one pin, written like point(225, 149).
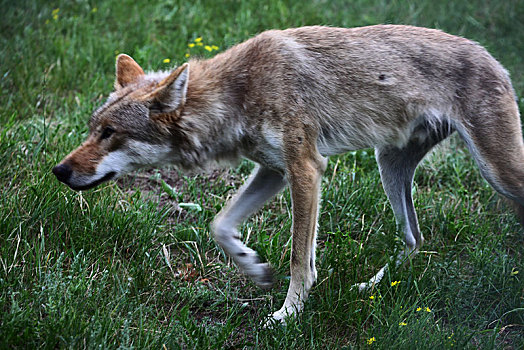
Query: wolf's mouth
point(105, 178)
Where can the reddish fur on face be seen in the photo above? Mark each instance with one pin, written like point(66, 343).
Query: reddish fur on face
point(167, 120)
point(86, 158)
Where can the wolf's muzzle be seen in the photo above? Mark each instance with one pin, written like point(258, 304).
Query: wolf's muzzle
point(64, 172)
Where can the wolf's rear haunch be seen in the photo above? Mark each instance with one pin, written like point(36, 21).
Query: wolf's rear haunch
point(287, 100)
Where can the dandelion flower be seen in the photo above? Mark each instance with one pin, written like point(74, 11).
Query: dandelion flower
point(54, 13)
point(187, 55)
point(419, 308)
point(371, 340)
point(402, 324)
point(427, 309)
point(199, 39)
point(208, 48)
point(372, 297)
point(166, 60)
point(200, 44)
point(394, 283)
point(214, 47)
point(191, 45)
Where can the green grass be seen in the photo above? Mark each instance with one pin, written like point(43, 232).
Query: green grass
point(122, 266)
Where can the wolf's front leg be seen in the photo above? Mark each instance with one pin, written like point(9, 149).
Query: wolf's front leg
point(304, 178)
point(263, 184)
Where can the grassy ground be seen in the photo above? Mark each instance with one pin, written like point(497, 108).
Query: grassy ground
point(128, 265)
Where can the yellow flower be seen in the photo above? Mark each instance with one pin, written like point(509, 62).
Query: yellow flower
point(419, 308)
point(393, 284)
point(94, 10)
point(208, 48)
point(191, 45)
point(372, 297)
point(402, 324)
point(214, 47)
point(427, 309)
point(199, 39)
point(371, 340)
point(55, 12)
point(166, 60)
point(199, 44)
point(187, 55)
point(55, 17)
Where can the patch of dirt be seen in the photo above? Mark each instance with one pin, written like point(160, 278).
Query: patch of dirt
point(193, 189)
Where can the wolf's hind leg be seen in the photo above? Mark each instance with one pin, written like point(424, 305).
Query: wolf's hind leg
point(263, 184)
point(397, 168)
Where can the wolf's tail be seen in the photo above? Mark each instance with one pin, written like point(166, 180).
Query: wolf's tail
point(493, 134)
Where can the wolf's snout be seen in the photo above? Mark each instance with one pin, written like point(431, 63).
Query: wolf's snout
point(62, 172)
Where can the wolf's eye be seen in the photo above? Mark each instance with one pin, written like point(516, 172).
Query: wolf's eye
point(107, 132)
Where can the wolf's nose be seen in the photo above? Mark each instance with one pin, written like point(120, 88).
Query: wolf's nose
point(62, 172)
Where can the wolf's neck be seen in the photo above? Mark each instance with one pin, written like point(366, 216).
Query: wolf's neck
point(212, 121)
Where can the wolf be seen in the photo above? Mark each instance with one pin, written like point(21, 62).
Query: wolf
point(289, 99)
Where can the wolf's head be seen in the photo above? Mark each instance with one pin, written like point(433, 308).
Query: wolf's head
point(131, 130)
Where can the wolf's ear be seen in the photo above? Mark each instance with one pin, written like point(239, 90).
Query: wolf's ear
point(127, 71)
point(170, 93)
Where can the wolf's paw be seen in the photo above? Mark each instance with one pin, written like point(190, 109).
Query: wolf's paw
point(362, 287)
point(278, 318)
point(250, 265)
point(262, 275)
point(375, 280)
